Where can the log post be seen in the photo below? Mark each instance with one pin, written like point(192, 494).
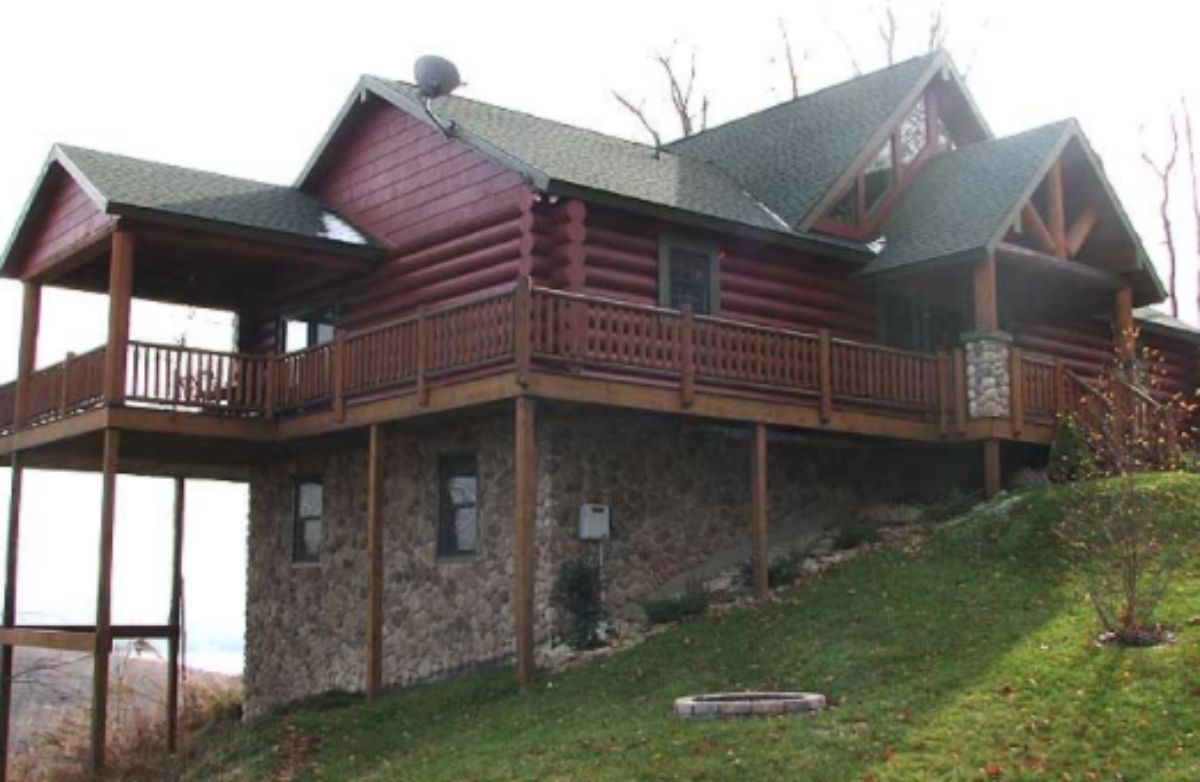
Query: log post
point(103, 637)
point(825, 371)
point(1056, 209)
point(1123, 324)
point(525, 464)
point(120, 294)
point(31, 312)
point(374, 683)
point(687, 356)
point(983, 285)
point(758, 512)
point(991, 468)
point(339, 376)
point(1016, 390)
point(960, 391)
point(10, 610)
point(523, 325)
point(174, 617)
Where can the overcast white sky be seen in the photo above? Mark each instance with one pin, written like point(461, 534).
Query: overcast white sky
point(248, 88)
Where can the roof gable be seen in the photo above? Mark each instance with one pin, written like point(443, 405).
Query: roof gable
point(796, 157)
point(121, 186)
point(965, 202)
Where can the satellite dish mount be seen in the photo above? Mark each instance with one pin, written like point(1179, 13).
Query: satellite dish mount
point(435, 77)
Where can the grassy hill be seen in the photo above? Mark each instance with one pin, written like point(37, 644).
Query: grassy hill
point(970, 659)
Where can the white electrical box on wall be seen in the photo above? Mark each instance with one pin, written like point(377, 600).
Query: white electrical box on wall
point(594, 522)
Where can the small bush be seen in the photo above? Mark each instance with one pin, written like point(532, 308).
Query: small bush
point(579, 594)
point(672, 609)
point(1071, 457)
point(779, 574)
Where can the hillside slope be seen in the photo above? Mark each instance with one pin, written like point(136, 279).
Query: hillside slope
point(970, 659)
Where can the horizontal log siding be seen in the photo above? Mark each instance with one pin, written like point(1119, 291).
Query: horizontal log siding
point(1177, 361)
point(69, 217)
point(1086, 347)
point(760, 285)
point(455, 223)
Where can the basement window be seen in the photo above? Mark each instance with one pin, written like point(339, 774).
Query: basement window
point(306, 526)
point(458, 495)
point(688, 276)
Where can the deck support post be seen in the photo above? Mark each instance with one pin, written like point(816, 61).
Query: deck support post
point(120, 294)
point(991, 468)
point(374, 683)
point(758, 512)
point(1123, 324)
point(31, 311)
point(984, 302)
point(525, 469)
point(103, 637)
point(174, 617)
point(10, 610)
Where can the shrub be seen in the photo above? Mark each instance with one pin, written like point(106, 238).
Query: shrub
point(1123, 546)
point(1070, 457)
point(853, 536)
point(672, 609)
point(579, 594)
point(779, 573)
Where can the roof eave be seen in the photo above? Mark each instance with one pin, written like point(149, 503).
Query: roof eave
point(967, 255)
point(807, 242)
point(367, 252)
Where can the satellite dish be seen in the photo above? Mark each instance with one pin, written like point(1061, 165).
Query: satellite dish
point(435, 76)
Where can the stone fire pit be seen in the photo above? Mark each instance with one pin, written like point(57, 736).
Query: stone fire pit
point(748, 704)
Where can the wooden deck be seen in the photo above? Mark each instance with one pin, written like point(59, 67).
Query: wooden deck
point(545, 343)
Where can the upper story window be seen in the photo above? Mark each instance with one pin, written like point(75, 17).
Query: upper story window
point(458, 496)
point(318, 329)
point(306, 523)
point(879, 177)
point(688, 275)
point(914, 134)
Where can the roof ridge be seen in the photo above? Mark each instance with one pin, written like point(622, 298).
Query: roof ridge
point(930, 56)
point(540, 118)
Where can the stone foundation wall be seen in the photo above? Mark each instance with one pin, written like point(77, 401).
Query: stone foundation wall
point(678, 489)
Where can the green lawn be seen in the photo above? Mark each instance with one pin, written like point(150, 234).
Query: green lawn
point(969, 660)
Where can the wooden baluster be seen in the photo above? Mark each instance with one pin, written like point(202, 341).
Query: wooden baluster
point(272, 390)
point(687, 356)
point(943, 392)
point(1062, 404)
point(64, 400)
point(825, 374)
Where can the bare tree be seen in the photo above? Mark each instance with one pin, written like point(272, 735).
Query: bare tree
point(887, 33)
point(1163, 172)
point(793, 67)
point(938, 32)
point(639, 112)
point(689, 107)
point(1191, 147)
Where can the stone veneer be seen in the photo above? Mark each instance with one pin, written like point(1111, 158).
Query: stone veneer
point(678, 489)
point(988, 377)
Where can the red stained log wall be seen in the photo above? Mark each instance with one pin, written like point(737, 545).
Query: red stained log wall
point(68, 216)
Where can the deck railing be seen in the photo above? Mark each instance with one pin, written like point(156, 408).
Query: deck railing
point(519, 329)
point(1040, 380)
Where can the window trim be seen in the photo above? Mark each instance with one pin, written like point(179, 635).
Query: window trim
point(441, 505)
point(299, 521)
point(665, 244)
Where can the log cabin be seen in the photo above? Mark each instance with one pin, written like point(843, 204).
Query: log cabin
point(506, 323)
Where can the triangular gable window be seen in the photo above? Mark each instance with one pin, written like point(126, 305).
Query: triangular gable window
point(914, 134)
point(879, 177)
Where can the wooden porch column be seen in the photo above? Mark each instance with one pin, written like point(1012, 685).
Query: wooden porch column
point(175, 639)
point(31, 313)
point(374, 681)
point(983, 300)
point(120, 295)
point(103, 643)
point(526, 494)
point(1126, 335)
point(991, 468)
point(758, 511)
point(10, 611)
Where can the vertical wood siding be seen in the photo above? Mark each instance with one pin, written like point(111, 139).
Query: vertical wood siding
point(68, 217)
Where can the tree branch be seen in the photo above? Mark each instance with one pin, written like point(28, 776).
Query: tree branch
point(640, 114)
point(1163, 172)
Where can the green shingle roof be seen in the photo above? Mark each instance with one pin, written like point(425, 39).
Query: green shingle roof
point(550, 151)
point(792, 155)
point(963, 201)
point(125, 185)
